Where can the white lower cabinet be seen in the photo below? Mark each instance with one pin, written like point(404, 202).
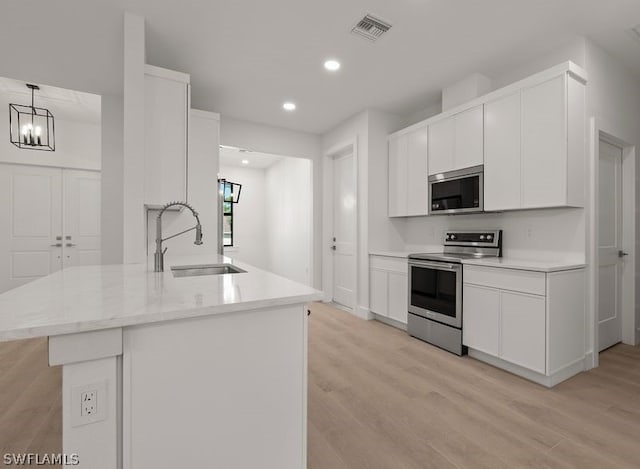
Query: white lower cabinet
point(530, 323)
point(522, 330)
point(388, 287)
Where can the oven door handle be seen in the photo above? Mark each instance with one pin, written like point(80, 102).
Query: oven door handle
point(436, 265)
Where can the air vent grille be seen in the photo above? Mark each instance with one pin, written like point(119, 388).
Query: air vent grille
point(371, 28)
point(635, 32)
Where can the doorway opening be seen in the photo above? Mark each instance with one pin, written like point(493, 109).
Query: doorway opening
point(271, 226)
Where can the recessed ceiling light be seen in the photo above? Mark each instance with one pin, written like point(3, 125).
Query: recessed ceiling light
point(245, 161)
point(289, 106)
point(332, 65)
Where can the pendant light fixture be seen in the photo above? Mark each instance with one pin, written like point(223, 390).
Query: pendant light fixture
point(30, 127)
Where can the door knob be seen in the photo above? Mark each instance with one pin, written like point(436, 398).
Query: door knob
point(621, 253)
point(333, 247)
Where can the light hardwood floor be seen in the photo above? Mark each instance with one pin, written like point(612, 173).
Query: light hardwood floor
point(380, 399)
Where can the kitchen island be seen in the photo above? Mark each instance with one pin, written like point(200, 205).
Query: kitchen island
point(162, 371)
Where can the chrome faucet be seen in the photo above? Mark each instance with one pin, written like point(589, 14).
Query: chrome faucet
point(158, 257)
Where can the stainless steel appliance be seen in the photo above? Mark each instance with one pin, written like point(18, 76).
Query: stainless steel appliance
point(435, 286)
point(457, 191)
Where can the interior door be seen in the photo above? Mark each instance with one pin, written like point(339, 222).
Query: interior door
point(81, 243)
point(344, 231)
point(30, 223)
point(609, 245)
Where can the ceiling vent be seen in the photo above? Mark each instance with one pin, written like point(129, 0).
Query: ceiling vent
point(635, 32)
point(371, 28)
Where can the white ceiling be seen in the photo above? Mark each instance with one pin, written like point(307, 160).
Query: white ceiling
point(63, 104)
point(247, 57)
point(257, 160)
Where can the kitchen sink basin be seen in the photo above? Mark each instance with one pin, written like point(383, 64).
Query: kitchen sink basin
point(205, 269)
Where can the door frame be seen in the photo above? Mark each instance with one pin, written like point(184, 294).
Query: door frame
point(630, 331)
point(336, 151)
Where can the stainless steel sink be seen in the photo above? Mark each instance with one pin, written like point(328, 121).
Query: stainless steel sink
point(205, 269)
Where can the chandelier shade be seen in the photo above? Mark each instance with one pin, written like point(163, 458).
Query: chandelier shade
point(31, 127)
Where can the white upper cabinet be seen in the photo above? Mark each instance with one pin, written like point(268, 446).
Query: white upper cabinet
point(441, 146)
point(469, 149)
point(456, 142)
point(534, 147)
point(408, 173)
point(530, 137)
point(417, 192)
point(544, 144)
point(502, 153)
point(166, 104)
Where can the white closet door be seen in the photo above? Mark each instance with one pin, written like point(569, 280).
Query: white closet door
point(81, 218)
point(30, 223)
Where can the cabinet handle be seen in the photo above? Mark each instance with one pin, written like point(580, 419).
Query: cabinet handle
point(70, 245)
point(57, 245)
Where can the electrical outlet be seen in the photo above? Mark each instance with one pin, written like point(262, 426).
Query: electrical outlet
point(89, 403)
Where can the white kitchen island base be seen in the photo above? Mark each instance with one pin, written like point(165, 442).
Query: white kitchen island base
point(164, 372)
point(226, 390)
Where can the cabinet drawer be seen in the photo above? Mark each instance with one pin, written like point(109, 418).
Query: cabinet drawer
point(525, 281)
point(394, 264)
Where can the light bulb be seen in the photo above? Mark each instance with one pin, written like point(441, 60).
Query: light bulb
point(25, 130)
point(289, 106)
point(245, 161)
point(29, 127)
point(332, 65)
point(38, 130)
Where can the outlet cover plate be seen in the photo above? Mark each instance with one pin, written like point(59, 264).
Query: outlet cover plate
point(101, 403)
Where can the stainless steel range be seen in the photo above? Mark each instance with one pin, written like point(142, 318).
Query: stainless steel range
point(435, 286)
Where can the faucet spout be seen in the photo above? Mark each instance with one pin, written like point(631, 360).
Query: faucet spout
point(158, 256)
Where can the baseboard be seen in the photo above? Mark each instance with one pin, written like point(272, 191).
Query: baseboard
point(389, 322)
point(589, 361)
point(548, 381)
point(364, 313)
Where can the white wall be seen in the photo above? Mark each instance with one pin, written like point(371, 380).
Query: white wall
point(278, 141)
point(250, 235)
point(288, 218)
point(92, 32)
point(613, 98)
point(78, 146)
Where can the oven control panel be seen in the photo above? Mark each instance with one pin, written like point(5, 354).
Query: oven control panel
point(489, 238)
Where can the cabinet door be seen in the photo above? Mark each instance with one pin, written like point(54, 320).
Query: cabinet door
point(544, 144)
point(397, 197)
point(522, 325)
point(165, 136)
point(441, 146)
point(480, 323)
point(417, 172)
point(398, 292)
point(378, 296)
point(502, 153)
point(469, 129)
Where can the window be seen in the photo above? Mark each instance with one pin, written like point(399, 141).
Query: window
point(230, 197)
point(227, 212)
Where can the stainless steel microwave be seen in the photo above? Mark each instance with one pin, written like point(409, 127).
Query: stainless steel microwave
point(459, 191)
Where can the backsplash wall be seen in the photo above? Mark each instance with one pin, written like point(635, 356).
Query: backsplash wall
point(549, 234)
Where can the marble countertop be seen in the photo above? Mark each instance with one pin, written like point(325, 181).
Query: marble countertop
point(90, 298)
point(401, 254)
point(524, 264)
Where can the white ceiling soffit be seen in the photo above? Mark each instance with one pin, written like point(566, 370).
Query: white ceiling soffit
point(63, 104)
point(232, 156)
